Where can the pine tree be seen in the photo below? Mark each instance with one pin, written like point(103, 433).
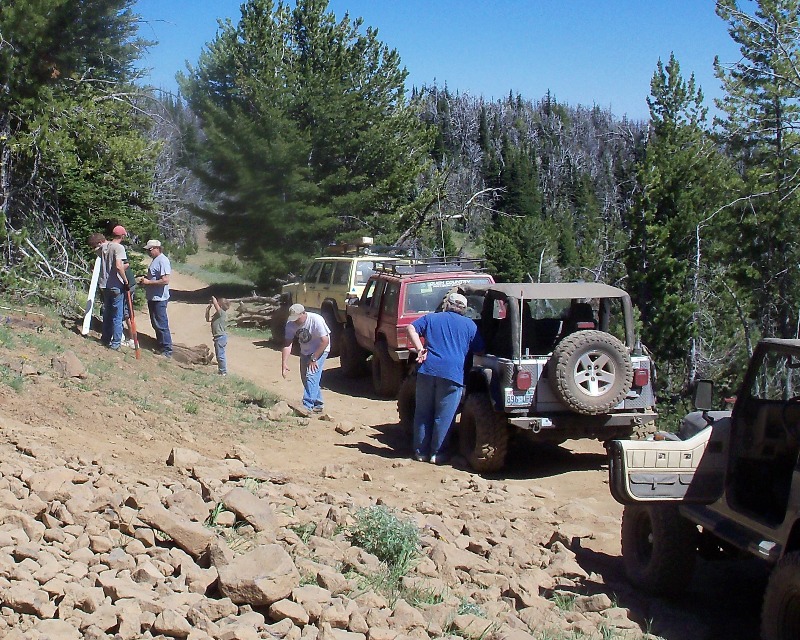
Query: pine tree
point(71, 131)
point(760, 124)
point(682, 179)
point(307, 134)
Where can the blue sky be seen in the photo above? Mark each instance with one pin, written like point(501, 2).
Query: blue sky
point(587, 52)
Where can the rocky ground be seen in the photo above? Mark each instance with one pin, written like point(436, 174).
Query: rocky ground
point(148, 498)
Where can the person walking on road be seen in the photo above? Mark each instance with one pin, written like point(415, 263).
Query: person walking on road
point(156, 285)
point(314, 337)
point(219, 331)
point(113, 283)
point(449, 339)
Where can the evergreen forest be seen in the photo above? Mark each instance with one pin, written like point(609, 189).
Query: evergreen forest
point(295, 129)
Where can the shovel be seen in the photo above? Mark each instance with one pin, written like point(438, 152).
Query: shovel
point(134, 335)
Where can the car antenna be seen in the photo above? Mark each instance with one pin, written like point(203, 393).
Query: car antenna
point(521, 302)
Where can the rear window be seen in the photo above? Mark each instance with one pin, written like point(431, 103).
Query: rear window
point(424, 297)
point(363, 271)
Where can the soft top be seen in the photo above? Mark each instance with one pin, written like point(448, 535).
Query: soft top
point(783, 342)
point(556, 290)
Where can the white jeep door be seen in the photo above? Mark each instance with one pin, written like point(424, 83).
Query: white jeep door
point(691, 470)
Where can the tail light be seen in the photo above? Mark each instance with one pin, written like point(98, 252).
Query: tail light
point(641, 377)
point(524, 380)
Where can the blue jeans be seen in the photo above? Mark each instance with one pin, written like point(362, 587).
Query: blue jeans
point(312, 393)
point(220, 342)
point(111, 335)
point(160, 322)
point(437, 403)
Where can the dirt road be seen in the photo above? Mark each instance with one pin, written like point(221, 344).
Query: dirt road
point(578, 469)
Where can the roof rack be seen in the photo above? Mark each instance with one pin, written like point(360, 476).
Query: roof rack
point(365, 247)
point(430, 265)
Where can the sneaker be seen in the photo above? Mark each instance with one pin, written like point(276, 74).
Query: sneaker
point(420, 457)
point(130, 343)
point(318, 409)
point(223, 373)
point(438, 459)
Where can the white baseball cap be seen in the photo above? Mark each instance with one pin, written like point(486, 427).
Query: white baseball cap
point(295, 311)
point(457, 299)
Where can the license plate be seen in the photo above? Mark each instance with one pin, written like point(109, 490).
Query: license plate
point(516, 399)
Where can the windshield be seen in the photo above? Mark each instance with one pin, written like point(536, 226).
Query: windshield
point(778, 377)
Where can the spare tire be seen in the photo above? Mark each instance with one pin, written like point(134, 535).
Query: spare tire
point(593, 372)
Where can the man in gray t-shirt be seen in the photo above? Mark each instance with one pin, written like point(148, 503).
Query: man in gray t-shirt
point(113, 284)
point(314, 337)
point(156, 284)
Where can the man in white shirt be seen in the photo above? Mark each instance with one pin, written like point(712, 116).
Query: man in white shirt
point(156, 285)
point(314, 337)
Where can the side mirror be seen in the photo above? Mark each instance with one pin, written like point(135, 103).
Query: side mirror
point(703, 395)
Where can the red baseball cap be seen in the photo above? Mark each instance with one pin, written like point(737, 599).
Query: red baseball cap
point(119, 230)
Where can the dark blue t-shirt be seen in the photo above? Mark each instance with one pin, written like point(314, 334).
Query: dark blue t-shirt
point(449, 337)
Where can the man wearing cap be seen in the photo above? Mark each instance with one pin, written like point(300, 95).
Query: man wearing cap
point(113, 283)
point(314, 337)
point(156, 284)
point(449, 339)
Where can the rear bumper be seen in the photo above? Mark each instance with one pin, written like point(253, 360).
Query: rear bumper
point(582, 423)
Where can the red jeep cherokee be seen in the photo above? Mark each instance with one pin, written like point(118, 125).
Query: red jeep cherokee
point(395, 296)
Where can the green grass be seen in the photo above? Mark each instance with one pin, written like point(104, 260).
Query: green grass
point(6, 336)
point(13, 380)
point(211, 521)
point(418, 596)
point(213, 275)
point(250, 332)
point(304, 531)
point(563, 601)
point(45, 344)
point(191, 407)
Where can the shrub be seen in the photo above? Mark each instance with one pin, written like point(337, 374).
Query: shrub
point(380, 532)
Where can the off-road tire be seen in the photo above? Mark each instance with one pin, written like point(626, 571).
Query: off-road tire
point(352, 358)
point(482, 434)
point(659, 548)
point(329, 314)
point(407, 404)
point(780, 613)
point(386, 373)
point(593, 372)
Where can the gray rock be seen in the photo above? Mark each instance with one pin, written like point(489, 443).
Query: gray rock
point(251, 509)
point(259, 577)
point(189, 504)
point(190, 536)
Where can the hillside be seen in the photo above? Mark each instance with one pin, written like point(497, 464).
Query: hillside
point(532, 554)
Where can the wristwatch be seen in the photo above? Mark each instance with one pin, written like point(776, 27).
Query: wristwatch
point(313, 358)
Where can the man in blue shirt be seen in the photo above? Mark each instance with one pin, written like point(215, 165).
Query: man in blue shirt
point(156, 285)
point(449, 339)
